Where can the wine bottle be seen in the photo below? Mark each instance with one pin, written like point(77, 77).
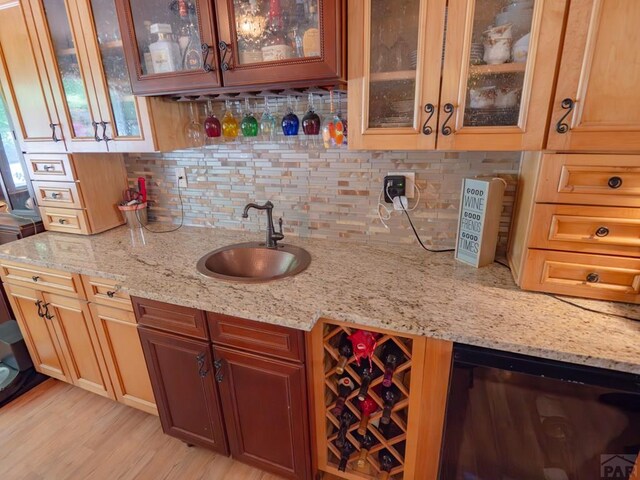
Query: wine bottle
point(345, 453)
point(367, 407)
point(392, 356)
point(365, 373)
point(346, 419)
point(390, 396)
point(346, 351)
point(387, 463)
point(366, 442)
point(345, 387)
point(389, 430)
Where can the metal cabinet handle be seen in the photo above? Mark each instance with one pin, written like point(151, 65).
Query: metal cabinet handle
point(593, 278)
point(602, 232)
point(200, 359)
point(39, 305)
point(219, 373)
point(446, 129)
point(56, 195)
point(225, 50)
point(47, 315)
point(614, 182)
point(48, 168)
point(54, 137)
point(95, 132)
point(104, 132)
point(207, 67)
point(35, 278)
point(567, 104)
point(62, 221)
point(429, 109)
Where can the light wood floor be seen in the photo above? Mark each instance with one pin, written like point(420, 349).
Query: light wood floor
point(60, 432)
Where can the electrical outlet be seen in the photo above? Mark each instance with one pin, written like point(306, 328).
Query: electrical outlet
point(181, 177)
point(394, 186)
point(410, 183)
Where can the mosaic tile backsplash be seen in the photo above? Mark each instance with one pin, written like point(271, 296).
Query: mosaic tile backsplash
point(321, 193)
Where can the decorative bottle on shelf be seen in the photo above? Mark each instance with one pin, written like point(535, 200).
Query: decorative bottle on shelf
point(148, 60)
point(392, 356)
point(165, 53)
point(345, 454)
point(311, 37)
point(346, 351)
point(193, 51)
point(390, 396)
point(345, 387)
point(367, 406)
point(387, 463)
point(275, 46)
point(183, 31)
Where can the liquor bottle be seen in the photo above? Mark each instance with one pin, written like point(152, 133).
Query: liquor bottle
point(148, 60)
point(346, 419)
point(193, 50)
point(367, 406)
point(346, 351)
point(165, 53)
point(311, 37)
point(364, 344)
point(387, 463)
point(390, 396)
point(365, 373)
point(276, 47)
point(345, 454)
point(392, 356)
point(366, 442)
point(229, 124)
point(345, 387)
point(183, 31)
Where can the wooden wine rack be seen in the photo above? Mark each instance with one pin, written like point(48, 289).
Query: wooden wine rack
point(406, 415)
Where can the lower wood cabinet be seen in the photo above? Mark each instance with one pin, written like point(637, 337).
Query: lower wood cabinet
point(182, 377)
point(265, 411)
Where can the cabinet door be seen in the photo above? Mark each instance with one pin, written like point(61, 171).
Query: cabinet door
point(24, 82)
point(71, 320)
point(597, 102)
point(69, 73)
point(170, 46)
point(395, 51)
point(182, 379)
point(120, 343)
point(265, 411)
point(280, 41)
point(38, 333)
point(495, 89)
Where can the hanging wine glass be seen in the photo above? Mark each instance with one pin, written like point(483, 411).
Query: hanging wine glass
point(193, 130)
point(229, 123)
point(340, 126)
point(249, 124)
point(311, 122)
point(329, 128)
point(290, 122)
point(267, 122)
point(212, 126)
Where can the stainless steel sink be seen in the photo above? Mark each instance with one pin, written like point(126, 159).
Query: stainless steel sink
point(253, 262)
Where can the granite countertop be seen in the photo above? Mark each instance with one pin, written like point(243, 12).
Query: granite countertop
point(401, 288)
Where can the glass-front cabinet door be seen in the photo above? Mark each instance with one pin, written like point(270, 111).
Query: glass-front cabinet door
point(271, 41)
point(170, 45)
point(395, 51)
point(499, 62)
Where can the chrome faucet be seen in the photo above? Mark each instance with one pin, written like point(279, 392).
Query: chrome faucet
point(272, 236)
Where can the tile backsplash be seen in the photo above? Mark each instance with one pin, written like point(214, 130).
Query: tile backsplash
point(321, 193)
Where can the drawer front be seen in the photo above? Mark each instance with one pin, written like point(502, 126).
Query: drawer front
point(263, 338)
point(64, 220)
point(40, 278)
point(106, 292)
point(58, 194)
point(46, 167)
point(608, 230)
point(170, 318)
point(612, 180)
point(583, 275)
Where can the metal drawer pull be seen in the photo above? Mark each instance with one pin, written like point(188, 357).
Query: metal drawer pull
point(219, 374)
point(593, 278)
point(567, 104)
point(56, 195)
point(615, 182)
point(62, 221)
point(53, 132)
point(426, 128)
point(446, 129)
point(602, 232)
point(35, 278)
point(48, 168)
point(110, 293)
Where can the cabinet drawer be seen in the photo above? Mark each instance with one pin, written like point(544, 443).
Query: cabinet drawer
point(257, 337)
point(50, 167)
point(57, 194)
point(106, 292)
point(583, 275)
point(40, 278)
point(609, 230)
point(171, 318)
point(590, 180)
point(64, 220)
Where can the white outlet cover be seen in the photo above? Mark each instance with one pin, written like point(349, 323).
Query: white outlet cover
point(181, 172)
point(410, 178)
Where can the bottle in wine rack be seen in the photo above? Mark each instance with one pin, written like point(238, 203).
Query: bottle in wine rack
point(346, 420)
point(366, 442)
point(345, 350)
point(392, 356)
point(345, 454)
point(387, 463)
point(390, 396)
point(345, 387)
point(389, 430)
point(367, 406)
point(366, 375)
point(364, 344)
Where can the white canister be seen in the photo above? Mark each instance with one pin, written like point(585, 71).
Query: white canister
point(507, 97)
point(497, 51)
point(484, 97)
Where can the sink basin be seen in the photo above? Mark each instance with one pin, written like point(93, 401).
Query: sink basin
point(253, 262)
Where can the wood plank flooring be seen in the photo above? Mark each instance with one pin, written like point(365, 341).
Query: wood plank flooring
point(60, 432)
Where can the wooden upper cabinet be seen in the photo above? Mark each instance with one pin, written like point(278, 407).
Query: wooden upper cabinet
point(158, 64)
point(23, 80)
point(597, 102)
point(280, 41)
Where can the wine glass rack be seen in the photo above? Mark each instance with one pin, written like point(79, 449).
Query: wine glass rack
point(399, 436)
